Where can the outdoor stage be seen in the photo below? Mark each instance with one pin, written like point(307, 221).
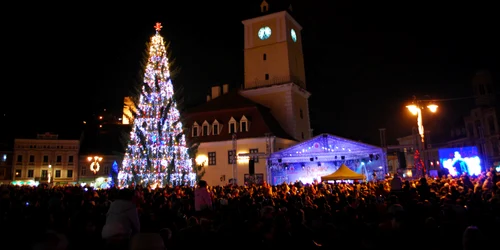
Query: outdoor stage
point(323, 155)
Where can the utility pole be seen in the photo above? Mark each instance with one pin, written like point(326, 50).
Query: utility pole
point(383, 141)
point(383, 145)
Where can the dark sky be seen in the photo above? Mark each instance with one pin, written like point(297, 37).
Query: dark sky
point(363, 62)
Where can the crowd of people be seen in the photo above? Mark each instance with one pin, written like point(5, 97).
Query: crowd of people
point(427, 213)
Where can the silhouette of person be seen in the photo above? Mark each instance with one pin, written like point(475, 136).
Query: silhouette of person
point(459, 164)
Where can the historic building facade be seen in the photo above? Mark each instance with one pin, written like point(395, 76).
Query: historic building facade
point(45, 159)
point(479, 128)
point(232, 130)
point(5, 165)
point(237, 130)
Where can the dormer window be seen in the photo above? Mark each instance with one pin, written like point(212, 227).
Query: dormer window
point(215, 128)
point(232, 126)
point(244, 124)
point(205, 129)
point(195, 130)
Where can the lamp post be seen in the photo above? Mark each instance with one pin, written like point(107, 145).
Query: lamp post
point(94, 165)
point(49, 173)
point(416, 108)
point(200, 160)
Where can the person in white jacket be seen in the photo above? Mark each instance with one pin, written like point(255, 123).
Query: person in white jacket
point(122, 219)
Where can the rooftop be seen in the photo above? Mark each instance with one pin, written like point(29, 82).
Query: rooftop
point(233, 105)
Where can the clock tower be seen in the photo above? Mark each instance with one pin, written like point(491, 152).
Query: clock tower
point(274, 69)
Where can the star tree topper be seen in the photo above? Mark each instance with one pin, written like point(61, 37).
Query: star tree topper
point(158, 26)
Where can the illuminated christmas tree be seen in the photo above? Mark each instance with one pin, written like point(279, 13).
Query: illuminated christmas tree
point(157, 153)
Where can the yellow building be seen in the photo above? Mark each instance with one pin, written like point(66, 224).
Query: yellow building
point(274, 69)
point(129, 110)
point(230, 124)
point(270, 113)
point(46, 159)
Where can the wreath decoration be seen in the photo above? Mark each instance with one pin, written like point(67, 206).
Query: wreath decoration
point(94, 167)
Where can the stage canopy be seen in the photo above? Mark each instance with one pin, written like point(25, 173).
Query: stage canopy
point(323, 155)
point(343, 173)
point(326, 147)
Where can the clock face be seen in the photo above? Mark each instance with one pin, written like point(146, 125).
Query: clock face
point(293, 35)
point(264, 33)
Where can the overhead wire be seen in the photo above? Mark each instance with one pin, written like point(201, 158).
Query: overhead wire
point(454, 98)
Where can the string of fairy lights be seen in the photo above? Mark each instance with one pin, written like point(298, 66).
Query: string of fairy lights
point(157, 151)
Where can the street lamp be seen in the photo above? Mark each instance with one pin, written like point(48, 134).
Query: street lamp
point(416, 109)
point(200, 160)
point(49, 174)
point(94, 163)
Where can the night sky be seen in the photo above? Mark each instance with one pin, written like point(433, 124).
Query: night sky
point(363, 63)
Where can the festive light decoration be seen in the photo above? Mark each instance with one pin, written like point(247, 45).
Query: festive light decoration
point(419, 163)
point(323, 155)
point(94, 165)
point(158, 26)
point(327, 147)
point(157, 153)
point(113, 174)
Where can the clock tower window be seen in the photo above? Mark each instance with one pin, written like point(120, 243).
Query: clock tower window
point(267, 76)
point(264, 57)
